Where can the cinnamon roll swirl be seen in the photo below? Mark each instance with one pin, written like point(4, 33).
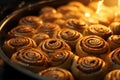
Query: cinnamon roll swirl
point(92, 68)
point(12, 45)
point(49, 28)
point(31, 58)
point(51, 45)
point(70, 36)
point(99, 30)
point(113, 59)
point(113, 75)
point(55, 73)
point(32, 21)
point(114, 41)
point(92, 45)
point(115, 28)
point(62, 59)
point(40, 37)
point(21, 30)
point(78, 25)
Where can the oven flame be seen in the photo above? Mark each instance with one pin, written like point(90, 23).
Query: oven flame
point(100, 3)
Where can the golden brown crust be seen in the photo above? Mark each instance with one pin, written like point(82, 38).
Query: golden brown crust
point(32, 21)
point(21, 30)
point(40, 37)
point(51, 45)
point(113, 75)
point(113, 59)
point(65, 9)
point(78, 25)
point(70, 36)
point(47, 9)
point(76, 4)
point(73, 15)
point(114, 41)
point(99, 30)
point(48, 28)
point(17, 43)
point(50, 17)
point(92, 45)
point(31, 58)
point(62, 59)
point(88, 68)
point(115, 28)
point(59, 22)
point(55, 73)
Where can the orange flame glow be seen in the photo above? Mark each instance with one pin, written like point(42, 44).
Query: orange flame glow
point(100, 3)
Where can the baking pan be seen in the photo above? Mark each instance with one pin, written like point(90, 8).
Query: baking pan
point(12, 20)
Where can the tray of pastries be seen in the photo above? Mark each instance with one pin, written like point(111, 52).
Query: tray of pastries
point(63, 40)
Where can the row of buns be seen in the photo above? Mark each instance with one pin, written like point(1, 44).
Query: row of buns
point(71, 42)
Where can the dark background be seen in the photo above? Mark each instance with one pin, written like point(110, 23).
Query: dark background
point(8, 6)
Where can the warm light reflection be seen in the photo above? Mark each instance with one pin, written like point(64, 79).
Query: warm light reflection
point(100, 3)
point(118, 2)
point(87, 15)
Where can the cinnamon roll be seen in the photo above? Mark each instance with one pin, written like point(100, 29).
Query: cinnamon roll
point(81, 7)
point(32, 21)
point(21, 30)
point(92, 45)
point(55, 73)
point(78, 25)
point(115, 28)
point(113, 59)
point(40, 37)
point(62, 59)
point(99, 30)
point(50, 17)
point(12, 45)
point(72, 15)
point(114, 41)
point(70, 36)
point(32, 59)
point(113, 75)
point(92, 68)
point(59, 22)
point(47, 9)
point(49, 28)
point(51, 45)
point(66, 9)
